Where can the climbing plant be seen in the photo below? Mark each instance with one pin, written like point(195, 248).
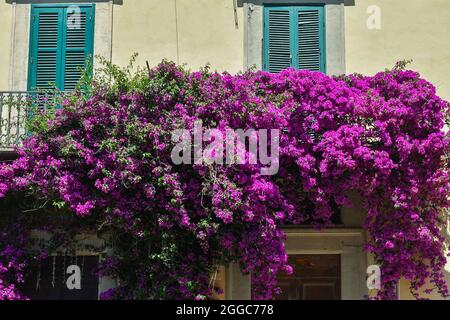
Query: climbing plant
point(102, 164)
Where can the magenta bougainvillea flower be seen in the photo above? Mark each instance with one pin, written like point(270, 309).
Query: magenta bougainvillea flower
point(104, 163)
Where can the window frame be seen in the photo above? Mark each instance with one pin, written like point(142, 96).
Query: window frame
point(294, 9)
point(32, 48)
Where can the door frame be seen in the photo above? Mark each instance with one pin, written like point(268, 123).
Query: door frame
point(347, 242)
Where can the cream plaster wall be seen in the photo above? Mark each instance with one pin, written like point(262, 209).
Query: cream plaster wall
point(202, 31)
point(410, 29)
point(405, 293)
point(185, 31)
point(5, 44)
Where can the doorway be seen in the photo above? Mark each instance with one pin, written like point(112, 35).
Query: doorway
point(315, 277)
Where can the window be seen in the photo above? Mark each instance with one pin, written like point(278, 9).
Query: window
point(60, 44)
point(294, 37)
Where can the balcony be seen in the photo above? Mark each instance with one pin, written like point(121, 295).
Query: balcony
point(16, 108)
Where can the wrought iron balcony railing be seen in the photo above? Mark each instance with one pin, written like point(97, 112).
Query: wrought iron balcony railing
point(16, 107)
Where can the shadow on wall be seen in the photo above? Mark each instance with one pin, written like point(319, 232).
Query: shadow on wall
point(240, 3)
point(117, 2)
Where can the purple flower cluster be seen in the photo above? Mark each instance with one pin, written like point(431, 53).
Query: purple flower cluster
point(13, 261)
point(108, 160)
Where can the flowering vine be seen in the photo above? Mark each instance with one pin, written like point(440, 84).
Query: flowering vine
point(102, 164)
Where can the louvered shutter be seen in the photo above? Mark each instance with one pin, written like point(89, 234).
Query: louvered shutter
point(311, 42)
point(46, 33)
point(294, 37)
point(278, 45)
point(61, 41)
point(77, 45)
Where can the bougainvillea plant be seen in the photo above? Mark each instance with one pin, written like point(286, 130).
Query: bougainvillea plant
point(102, 164)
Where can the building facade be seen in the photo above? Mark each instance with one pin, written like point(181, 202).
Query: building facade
point(40, 45)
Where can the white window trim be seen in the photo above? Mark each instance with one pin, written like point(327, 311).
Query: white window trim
point(334, 29)
point(20, 40)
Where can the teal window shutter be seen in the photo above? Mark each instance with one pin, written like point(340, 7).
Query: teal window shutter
point(311, 38)
point(45, 48)
point(294, 37)
point(78, 45)
point(278, 38)
point(61, 41)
